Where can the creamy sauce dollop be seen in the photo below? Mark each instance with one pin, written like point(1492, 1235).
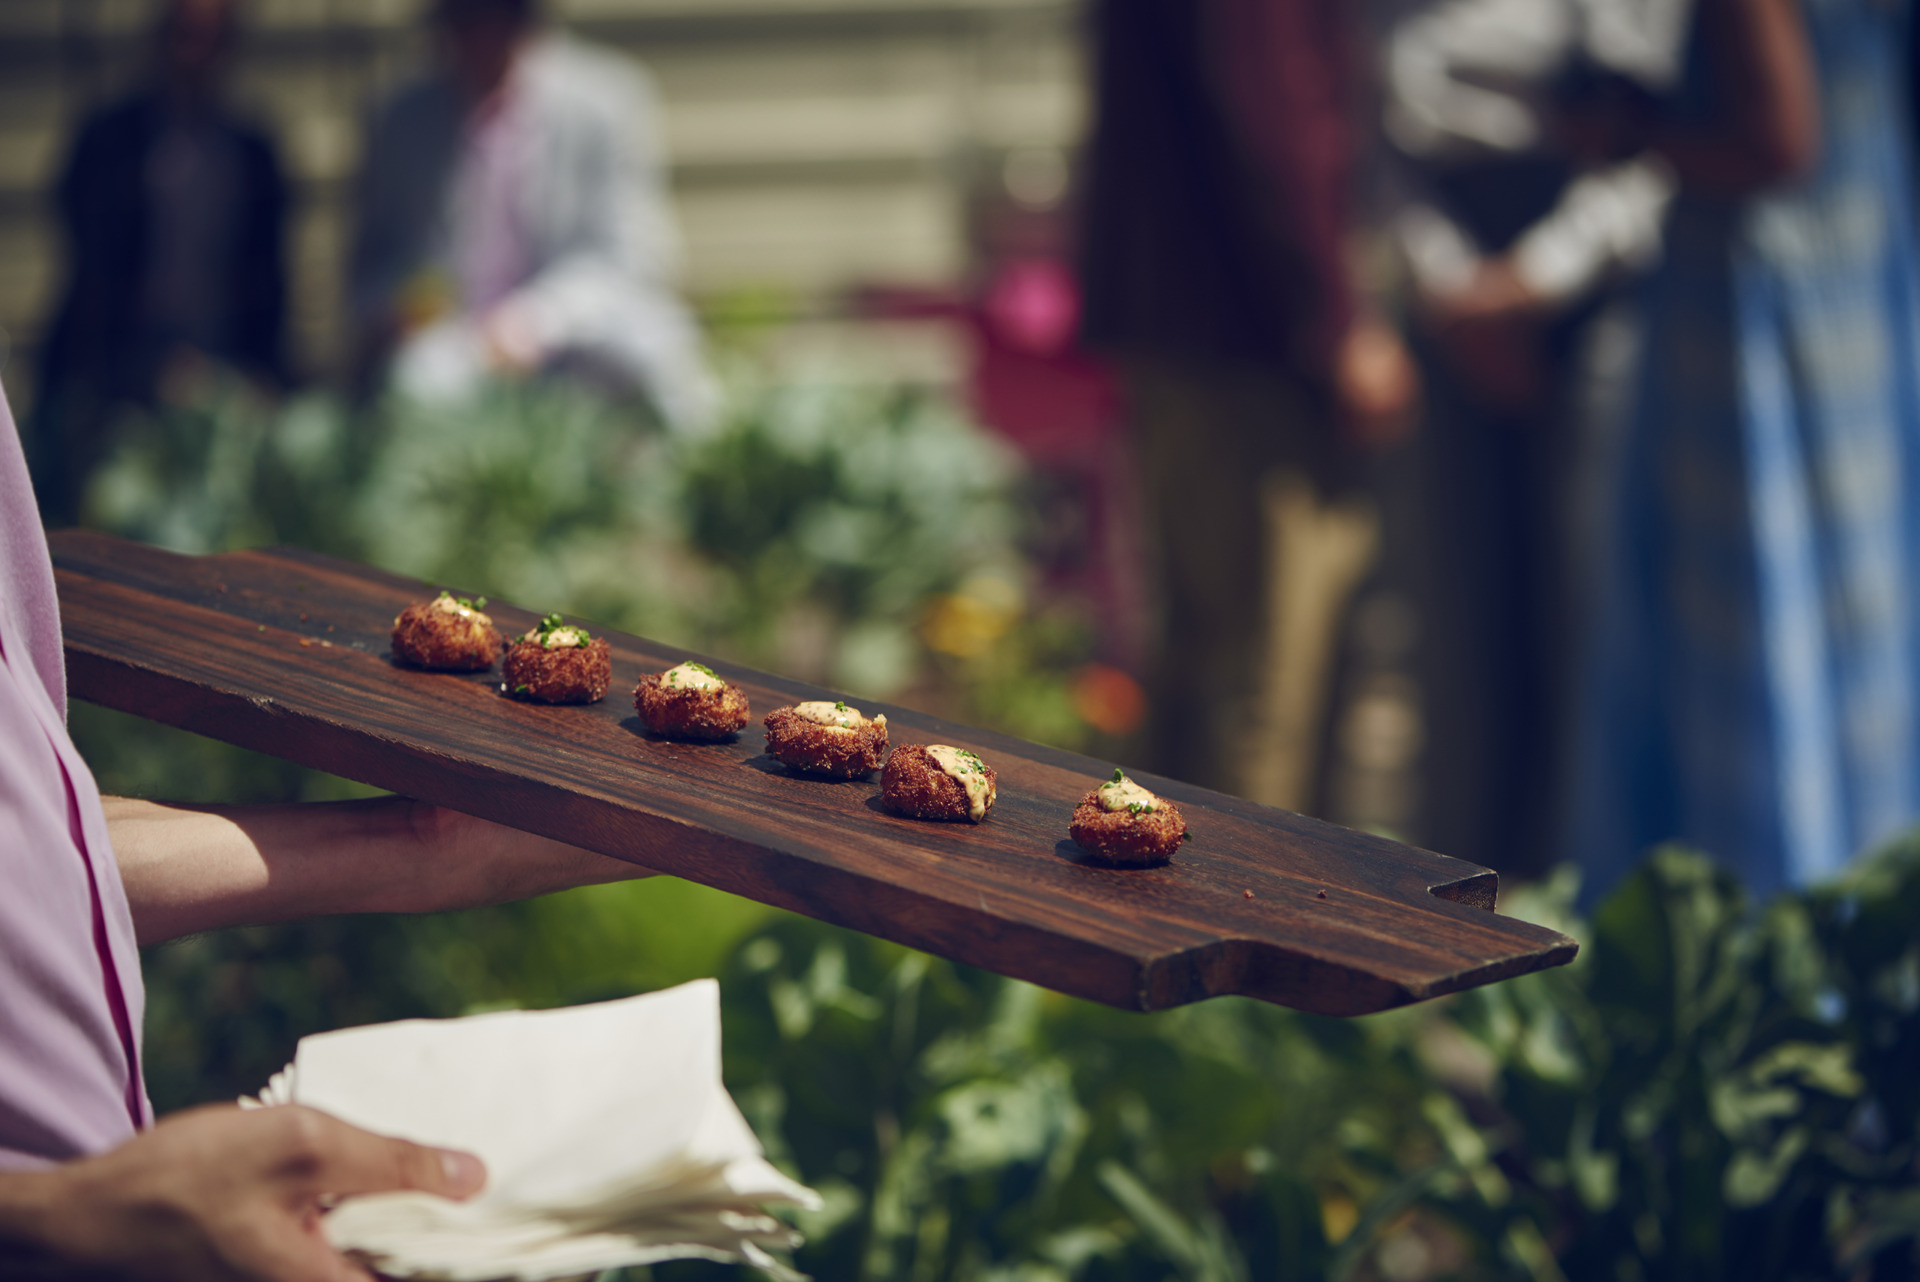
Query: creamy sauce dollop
point(691, 676)
point(1124, 794)
point(970, 773)
point(446, 604)
point(837, 717)
point(565, 638)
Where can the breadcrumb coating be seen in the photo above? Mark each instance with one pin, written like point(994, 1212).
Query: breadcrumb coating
point(810, 747)
point(446, 635)
point(686, 713)
point(560, 674)
point(1137, 830)
point(916, 785)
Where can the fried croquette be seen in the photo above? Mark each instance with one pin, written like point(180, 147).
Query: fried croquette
point(690, 702)
point(1122, 823)
point(448, 633)
point(822, 738)
point(559, 663)
point(937, 782)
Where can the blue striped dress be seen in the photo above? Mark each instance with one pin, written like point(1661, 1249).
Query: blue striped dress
point(1752, 677)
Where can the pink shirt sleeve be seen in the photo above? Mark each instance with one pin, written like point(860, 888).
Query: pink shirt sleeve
point(71, 1000)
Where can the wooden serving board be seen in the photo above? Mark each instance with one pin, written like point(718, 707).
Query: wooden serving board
point(286, 652)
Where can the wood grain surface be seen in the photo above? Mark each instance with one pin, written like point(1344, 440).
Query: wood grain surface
point(286, 652)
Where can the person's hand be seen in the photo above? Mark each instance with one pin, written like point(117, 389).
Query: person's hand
point(1376, 385)
point(1490, 333)
point(511, 345)
point(220, 1194)
point(1497, 292)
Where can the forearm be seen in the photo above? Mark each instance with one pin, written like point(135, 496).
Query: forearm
point(193, 868)
point(29, 1206)
point(1606, 224)
point(189, 869)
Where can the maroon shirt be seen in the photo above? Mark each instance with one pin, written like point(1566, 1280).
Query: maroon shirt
point(1218, 180)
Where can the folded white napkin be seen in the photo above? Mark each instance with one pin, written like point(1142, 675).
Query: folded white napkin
point(608, 1138)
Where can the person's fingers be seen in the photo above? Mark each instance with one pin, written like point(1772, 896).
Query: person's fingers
point(313, 1259)
point(327, 1156)
point(301, 1256)
point(284, 1249)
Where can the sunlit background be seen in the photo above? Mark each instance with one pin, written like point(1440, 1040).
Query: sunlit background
point(814, 147)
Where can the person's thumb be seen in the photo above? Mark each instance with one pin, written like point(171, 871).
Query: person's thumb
point(343, 1160)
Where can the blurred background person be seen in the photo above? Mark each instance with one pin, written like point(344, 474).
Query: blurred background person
point(173, 210)
point(1525, 208)
point(1752, 685)
point(512, 218)
point(1214, 270)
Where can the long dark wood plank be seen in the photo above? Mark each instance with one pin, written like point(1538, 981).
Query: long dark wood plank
point(286, 652)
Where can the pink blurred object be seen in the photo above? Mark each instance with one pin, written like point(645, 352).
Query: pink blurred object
point(1058, 404)
point(1034, 304)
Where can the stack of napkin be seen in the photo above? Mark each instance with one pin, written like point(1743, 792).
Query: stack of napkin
point(608, 1138)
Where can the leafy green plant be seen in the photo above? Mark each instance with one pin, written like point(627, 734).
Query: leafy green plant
point(1712, 1092)
point(810, 531)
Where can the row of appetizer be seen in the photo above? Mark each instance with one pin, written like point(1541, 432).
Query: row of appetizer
point(1118, 822)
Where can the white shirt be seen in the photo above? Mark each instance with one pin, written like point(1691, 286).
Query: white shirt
point(1466, 79)
point(548, 214)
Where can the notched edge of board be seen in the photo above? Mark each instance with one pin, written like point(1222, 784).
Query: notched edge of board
point(1478, 889)
point(1257, 969)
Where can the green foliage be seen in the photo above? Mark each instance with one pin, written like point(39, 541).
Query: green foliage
point(830, 528)
point(1712, 1092)
point(965, 1126)
point(861, 501)
point(806, 532)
